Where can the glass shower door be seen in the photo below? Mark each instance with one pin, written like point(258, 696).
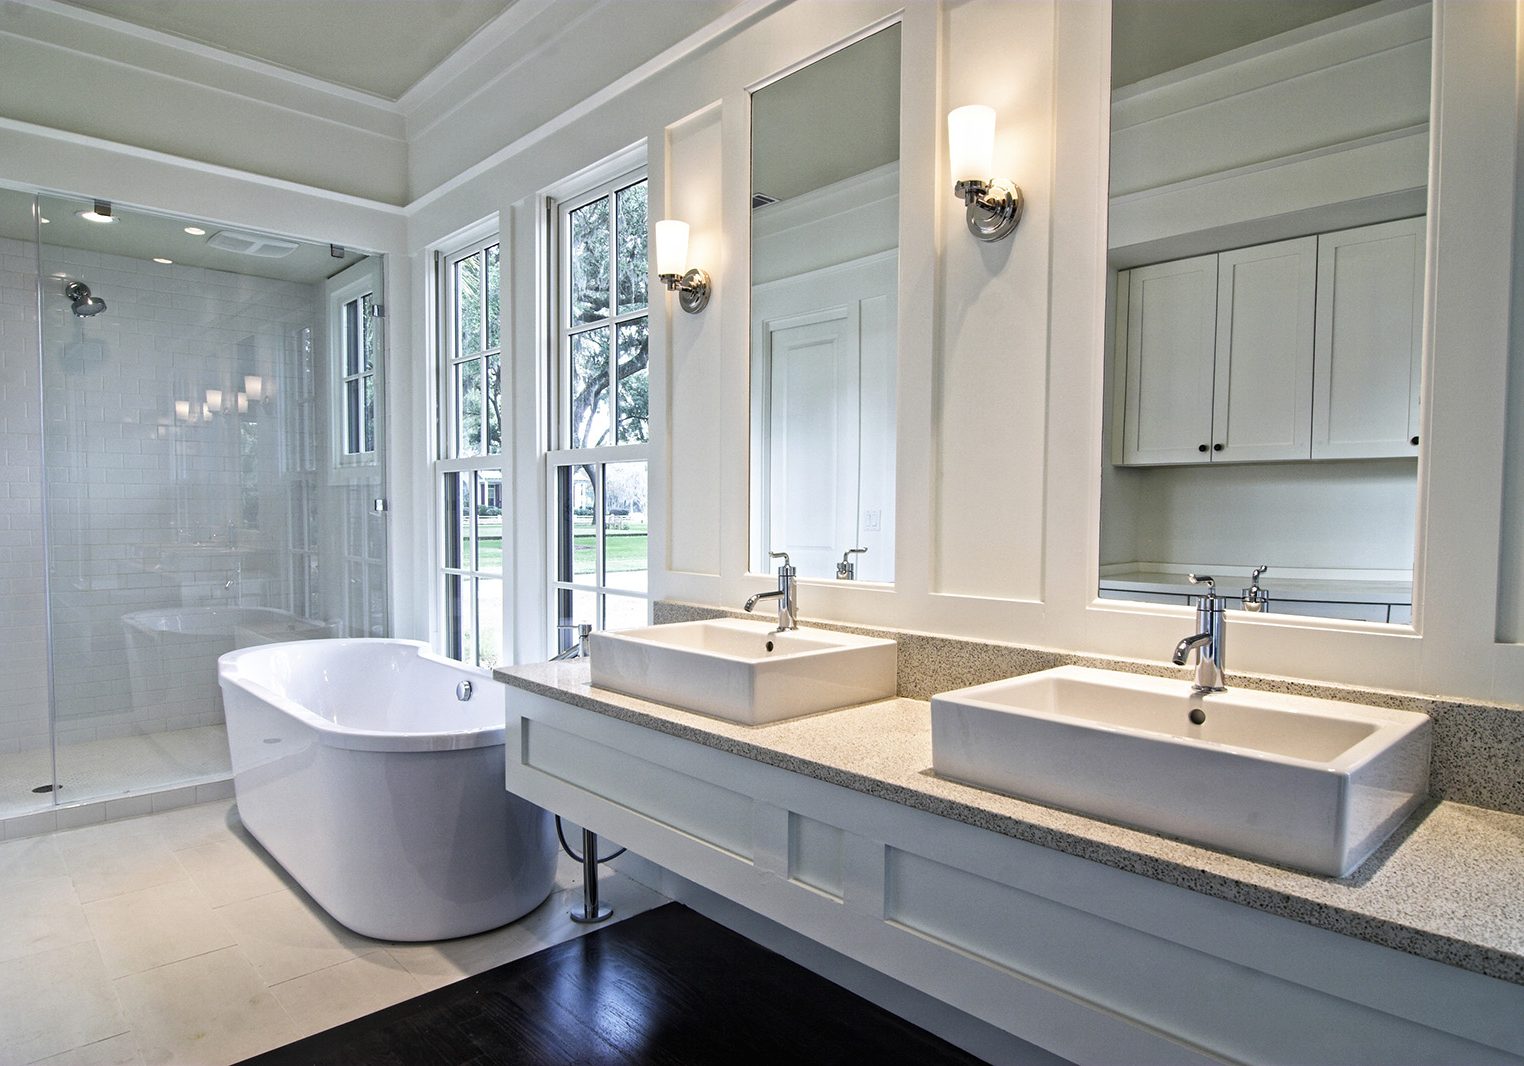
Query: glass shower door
point(198, 496)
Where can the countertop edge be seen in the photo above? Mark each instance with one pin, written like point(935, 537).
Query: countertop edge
point(1372, 928)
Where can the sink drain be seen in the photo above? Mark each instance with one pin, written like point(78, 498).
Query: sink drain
point(42, 789)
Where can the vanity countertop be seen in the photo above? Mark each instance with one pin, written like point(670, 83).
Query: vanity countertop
point(1445, 886)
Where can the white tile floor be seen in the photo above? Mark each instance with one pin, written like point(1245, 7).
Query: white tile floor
point(174, 938)
point(97, 769)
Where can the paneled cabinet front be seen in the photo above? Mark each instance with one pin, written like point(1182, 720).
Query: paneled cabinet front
point(1301, 349)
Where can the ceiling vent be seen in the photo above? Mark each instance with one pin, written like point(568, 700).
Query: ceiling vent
point(256, 244)
point(761, 199)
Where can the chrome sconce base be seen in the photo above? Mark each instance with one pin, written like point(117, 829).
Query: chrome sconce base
point(692, 289)
point(994, 207)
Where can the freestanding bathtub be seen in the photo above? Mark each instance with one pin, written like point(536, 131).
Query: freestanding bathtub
point(361, 770)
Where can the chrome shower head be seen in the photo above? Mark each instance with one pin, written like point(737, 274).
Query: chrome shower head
point(84, 304)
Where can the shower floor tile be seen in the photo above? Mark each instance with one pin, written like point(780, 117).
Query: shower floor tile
point(102, 769)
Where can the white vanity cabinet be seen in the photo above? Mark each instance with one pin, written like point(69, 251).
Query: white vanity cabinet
point(1170, 338)
point(1369, 341)
point(1301, 349)
point(1093, 963)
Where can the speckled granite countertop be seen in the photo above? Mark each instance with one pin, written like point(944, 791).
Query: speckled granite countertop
point(1448, 885)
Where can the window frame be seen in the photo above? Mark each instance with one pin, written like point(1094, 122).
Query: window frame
point(560, 455)
point(449, 637)
point(344, 466)
point(450, 358)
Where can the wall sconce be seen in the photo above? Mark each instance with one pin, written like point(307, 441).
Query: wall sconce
point(994, 204)
point(691, 286)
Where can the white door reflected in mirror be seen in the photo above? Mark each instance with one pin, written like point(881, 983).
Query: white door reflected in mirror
point(824, 349)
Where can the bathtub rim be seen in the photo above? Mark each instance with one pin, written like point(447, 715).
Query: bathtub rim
point(231, 671)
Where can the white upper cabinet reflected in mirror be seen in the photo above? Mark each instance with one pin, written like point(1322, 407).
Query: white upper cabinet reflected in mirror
point(1266, 255)
point(825, 240)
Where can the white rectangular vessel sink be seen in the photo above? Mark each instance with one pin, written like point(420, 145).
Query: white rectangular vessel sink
point(744, 671)
point(1308, 783)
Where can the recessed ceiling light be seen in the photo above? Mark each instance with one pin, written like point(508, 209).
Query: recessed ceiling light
point(95, 216)
point(195, 231)
point(161, 259)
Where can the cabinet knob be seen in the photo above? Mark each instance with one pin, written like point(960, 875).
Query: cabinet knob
point(1413, 441)
point(1201, 447)
point(1217, 447)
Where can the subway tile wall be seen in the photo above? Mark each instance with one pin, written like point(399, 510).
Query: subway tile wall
point(23, 628)
point(191, 505)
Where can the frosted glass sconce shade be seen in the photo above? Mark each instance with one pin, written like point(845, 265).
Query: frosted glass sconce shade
point(971, 142)
point(690, 284)
point(993, 204)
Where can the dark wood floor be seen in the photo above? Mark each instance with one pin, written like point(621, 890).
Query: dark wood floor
point(668, 986)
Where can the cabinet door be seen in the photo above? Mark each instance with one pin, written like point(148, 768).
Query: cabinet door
point(1171, 336)
point(1266, 298)
point(1369, 341)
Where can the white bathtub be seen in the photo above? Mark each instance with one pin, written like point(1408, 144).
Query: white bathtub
point(380, 792)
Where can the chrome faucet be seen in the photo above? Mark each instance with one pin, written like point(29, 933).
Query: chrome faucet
point(845, 570)
point(1256, 598)
point(1211, 628)
point(787, 608)
point(579, 649)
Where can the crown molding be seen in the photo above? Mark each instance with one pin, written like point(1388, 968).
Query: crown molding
point(215, 169)
point(206, 52)
point(727, 24)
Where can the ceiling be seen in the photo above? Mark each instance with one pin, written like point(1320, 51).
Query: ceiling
point(382, 47)
point(1149, 37)
point(143, 236)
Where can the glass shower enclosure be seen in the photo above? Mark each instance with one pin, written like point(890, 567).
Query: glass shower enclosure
point(192, 425)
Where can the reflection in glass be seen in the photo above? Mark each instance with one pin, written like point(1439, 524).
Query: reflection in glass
point(1264, 323)
point(633, 401)
point(491, 281)
point(590, 388)
point(489, 521)
point(632, 261)
point(494, 406)
point(468, 397)
point(468, 305)
point(625, 612)
point(824, 298)
point(577, 535)
point(460, 611)
point(590, 261)
point(489, 621)
point(624, 526)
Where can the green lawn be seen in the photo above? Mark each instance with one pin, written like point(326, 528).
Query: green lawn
point(626, 547)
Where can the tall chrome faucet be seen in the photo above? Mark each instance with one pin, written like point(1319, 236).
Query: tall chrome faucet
point(787, 608)
point(1211, 629)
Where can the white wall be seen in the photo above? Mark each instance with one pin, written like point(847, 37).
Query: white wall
point(1321, 516)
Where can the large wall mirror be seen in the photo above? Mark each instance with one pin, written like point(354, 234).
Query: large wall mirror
point(825, 155)
point(1266, 240)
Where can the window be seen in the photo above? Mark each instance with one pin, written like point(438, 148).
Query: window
point(355, 336)
point(602, 419)
point(358, 346)
point(470, 470)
